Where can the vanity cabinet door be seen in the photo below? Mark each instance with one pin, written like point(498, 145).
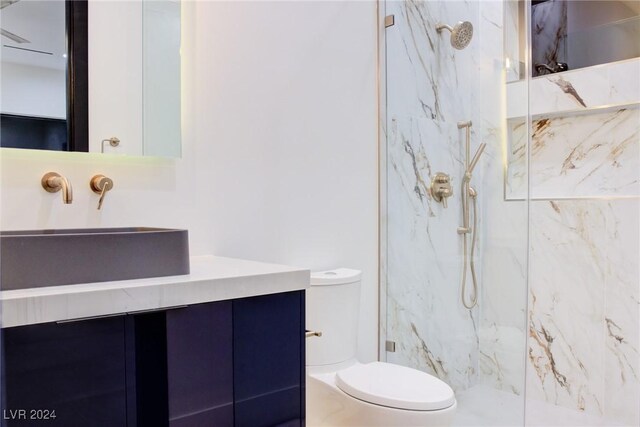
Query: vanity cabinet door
point(76, 369)
point(200, 365)
point(268, 360)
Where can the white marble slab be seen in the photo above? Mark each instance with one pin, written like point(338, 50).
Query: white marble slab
point(581, 155)
point(212, 278)
point(430, 87)
point(582, 89)
point(584, 325)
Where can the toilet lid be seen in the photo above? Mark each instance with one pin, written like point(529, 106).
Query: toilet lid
point(395, 386)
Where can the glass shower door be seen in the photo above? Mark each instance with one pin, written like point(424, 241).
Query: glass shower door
point(436, 89)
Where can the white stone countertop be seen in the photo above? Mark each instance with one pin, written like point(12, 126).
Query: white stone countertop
point(212, 278)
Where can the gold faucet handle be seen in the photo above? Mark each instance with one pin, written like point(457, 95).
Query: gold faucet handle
point(100, 184)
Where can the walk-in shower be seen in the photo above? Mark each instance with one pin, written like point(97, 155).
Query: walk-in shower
point(538, 201)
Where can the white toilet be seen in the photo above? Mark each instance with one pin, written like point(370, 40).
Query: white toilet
point(343, 392)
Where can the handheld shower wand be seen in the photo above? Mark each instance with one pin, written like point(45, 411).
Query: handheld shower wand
point(469, 194)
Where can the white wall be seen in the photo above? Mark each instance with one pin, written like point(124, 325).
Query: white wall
point(279, 146)
point(33, 91)
point(289, 111)
point(115, 75)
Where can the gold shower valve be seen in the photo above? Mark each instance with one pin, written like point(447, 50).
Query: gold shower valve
point(441, 188)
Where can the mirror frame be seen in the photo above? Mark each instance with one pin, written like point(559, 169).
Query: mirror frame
point(76, 12)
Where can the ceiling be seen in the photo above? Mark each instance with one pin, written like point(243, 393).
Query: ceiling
point(42, 22)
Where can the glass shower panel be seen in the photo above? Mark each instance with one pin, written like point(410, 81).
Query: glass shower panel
point(583, 360)
point(433, 90)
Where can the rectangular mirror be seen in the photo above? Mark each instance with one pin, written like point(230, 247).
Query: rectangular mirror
point(93, 76)
point(568, 35)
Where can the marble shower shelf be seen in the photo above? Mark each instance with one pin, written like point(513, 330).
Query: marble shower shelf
point(579, 156)
point(605, 85)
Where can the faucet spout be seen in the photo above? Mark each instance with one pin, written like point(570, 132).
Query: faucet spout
point(67, 190)
point(53, 182)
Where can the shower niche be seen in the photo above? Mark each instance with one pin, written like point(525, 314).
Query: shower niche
point(597, 43)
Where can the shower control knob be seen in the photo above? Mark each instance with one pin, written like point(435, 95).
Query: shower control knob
point(441, 188)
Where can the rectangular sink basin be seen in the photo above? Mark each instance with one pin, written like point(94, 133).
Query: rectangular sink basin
point(31, 259)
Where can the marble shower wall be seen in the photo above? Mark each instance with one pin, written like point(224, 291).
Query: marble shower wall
point(583, 317)
point(430, 87)
point(583, 313)
point(584, 186)
point(583, 183)
point(584, 273)
point(580, 155)
point(504, 245)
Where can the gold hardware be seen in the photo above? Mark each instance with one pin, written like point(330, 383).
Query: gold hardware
point(54, 182)
point(389, 21)
point(469, 196)
point(441, 188)
point(100, 184)
point(312, 334)
point(113, 141)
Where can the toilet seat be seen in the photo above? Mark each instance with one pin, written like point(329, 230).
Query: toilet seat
point(395, 386)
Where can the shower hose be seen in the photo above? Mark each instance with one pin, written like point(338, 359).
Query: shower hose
point(468, 257)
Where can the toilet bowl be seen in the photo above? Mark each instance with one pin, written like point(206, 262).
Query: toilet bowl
point(341, 391)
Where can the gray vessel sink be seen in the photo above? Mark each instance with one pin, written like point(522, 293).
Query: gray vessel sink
point(36, 258)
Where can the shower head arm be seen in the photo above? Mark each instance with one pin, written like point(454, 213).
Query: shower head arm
point(441, 27)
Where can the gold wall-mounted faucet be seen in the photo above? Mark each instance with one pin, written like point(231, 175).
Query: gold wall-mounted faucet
point(54, 182)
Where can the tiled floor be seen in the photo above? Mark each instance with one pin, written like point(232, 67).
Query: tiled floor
point(482, 406)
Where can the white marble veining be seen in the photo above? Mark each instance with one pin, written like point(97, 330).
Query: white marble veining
point(432, 330)
point(501, 358)
point(584, 324)
point(429, 89)
point(504, 230)
point(581, 155)
point(582, 89)
point(582, 316)
point(212, 278)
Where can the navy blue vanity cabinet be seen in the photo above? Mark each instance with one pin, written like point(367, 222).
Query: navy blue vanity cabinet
point(147, 397)
point(268, 360)
point(200, 365)
point(76, 369)
point(219, 364)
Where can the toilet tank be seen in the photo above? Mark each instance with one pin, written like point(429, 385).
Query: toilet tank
point(332, 307)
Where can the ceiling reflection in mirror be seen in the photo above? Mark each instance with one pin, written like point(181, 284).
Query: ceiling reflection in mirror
point(568, 35)
point(120, 95)
point(34, 65)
